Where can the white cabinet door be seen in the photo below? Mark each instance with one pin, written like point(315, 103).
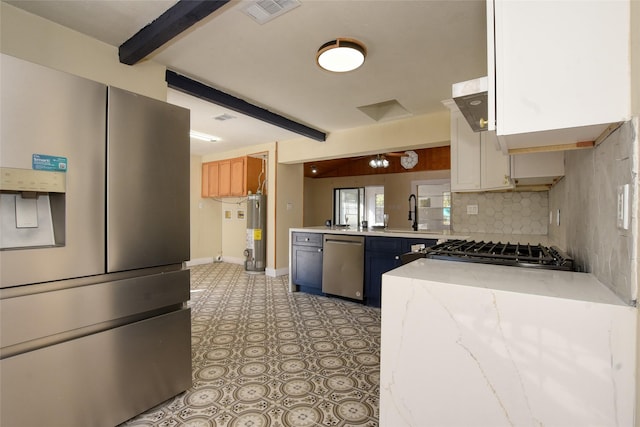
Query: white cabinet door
point(477, 163)
point(495, 167)
point(465, 155)
point(560, 65)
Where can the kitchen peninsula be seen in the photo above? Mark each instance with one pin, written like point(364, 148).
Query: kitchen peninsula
point(382, 250)
point(511, 346)
point(378, 251)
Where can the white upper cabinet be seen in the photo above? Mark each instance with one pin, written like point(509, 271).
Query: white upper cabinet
point(477, 164)
point(537, 168)
point(559, 71)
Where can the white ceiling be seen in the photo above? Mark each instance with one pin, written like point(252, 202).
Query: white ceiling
point(416, 50)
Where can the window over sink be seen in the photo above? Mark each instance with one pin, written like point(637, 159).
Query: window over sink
point(434, 204)
point(351, 206)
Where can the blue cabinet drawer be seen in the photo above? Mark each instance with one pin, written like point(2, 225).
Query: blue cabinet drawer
point(307, 239)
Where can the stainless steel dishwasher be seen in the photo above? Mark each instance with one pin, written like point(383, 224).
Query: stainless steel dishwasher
point(343, 266)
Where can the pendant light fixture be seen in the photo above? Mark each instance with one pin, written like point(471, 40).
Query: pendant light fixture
point(341, 55)
point(379, 162)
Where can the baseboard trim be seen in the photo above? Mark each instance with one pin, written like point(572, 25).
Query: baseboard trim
point(271, 272)
point(199, 261)
point(276, 272)
point(233, 260)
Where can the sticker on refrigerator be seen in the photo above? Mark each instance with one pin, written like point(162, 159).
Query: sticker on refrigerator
point(49, 163)
point(257, 234)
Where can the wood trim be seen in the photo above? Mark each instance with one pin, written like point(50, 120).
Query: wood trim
point(557, 147)
point(608, 131)
point(437, 158)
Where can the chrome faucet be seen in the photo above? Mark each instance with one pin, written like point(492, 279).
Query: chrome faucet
point(415, 212)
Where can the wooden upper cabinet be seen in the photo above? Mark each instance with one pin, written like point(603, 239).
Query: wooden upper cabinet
point(237, 185)
point(254, 174)
point(224, 178)
point(210, 179)
point(232, 178)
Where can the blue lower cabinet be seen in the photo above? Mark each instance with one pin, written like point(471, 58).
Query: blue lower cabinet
point(306, 269)
point(382, 254)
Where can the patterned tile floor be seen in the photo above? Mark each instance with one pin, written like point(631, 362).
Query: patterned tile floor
point(265, 357)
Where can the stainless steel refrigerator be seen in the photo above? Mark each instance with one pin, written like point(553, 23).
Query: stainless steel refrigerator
point(94, 230)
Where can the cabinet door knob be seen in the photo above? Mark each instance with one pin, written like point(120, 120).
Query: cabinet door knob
point(319, 249)
point(483, 123)
point(306, 239)
point(397, 257)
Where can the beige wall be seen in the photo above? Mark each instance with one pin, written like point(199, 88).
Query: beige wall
point(232, 237)
point(429, 130)
point(289, 208)
point(43, 42)
point(233, 230)
point(318, 194)
point(635, 57)
point(205, 218)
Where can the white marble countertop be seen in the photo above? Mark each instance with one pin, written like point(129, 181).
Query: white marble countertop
point(395, 232)
point(439, 235)
point(534, 281)
point(512, 346)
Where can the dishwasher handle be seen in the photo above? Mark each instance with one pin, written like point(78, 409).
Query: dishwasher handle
point(343, 242)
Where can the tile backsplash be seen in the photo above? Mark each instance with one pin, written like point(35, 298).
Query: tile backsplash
point(587, 199)
point(501, 212)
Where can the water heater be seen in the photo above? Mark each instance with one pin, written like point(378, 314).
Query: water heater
point(256, 251)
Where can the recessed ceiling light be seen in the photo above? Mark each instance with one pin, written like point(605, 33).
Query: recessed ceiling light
point(203, 136)
point(341, 55)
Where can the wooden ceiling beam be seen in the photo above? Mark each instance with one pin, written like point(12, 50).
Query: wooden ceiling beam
point(200, 90)
point(172, 22)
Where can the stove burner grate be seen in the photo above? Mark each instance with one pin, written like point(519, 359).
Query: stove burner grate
point(514, 254)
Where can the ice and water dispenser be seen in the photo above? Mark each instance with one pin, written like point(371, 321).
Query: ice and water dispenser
point(32, 208)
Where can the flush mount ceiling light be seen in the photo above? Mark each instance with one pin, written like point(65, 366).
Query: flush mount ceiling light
point(314, 170)
point(341, 55)
point(379, 162)
point(203, 136)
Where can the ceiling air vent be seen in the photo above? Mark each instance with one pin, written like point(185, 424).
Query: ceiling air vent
point(225, 116)
point(387, 110)
point(265, 10)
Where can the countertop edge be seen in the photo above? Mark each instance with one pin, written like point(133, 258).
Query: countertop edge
point(536, 282)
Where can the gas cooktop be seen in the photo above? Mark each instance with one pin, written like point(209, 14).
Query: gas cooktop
point(512, 254)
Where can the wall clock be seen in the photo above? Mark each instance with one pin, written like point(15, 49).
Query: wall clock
point(409, 160)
